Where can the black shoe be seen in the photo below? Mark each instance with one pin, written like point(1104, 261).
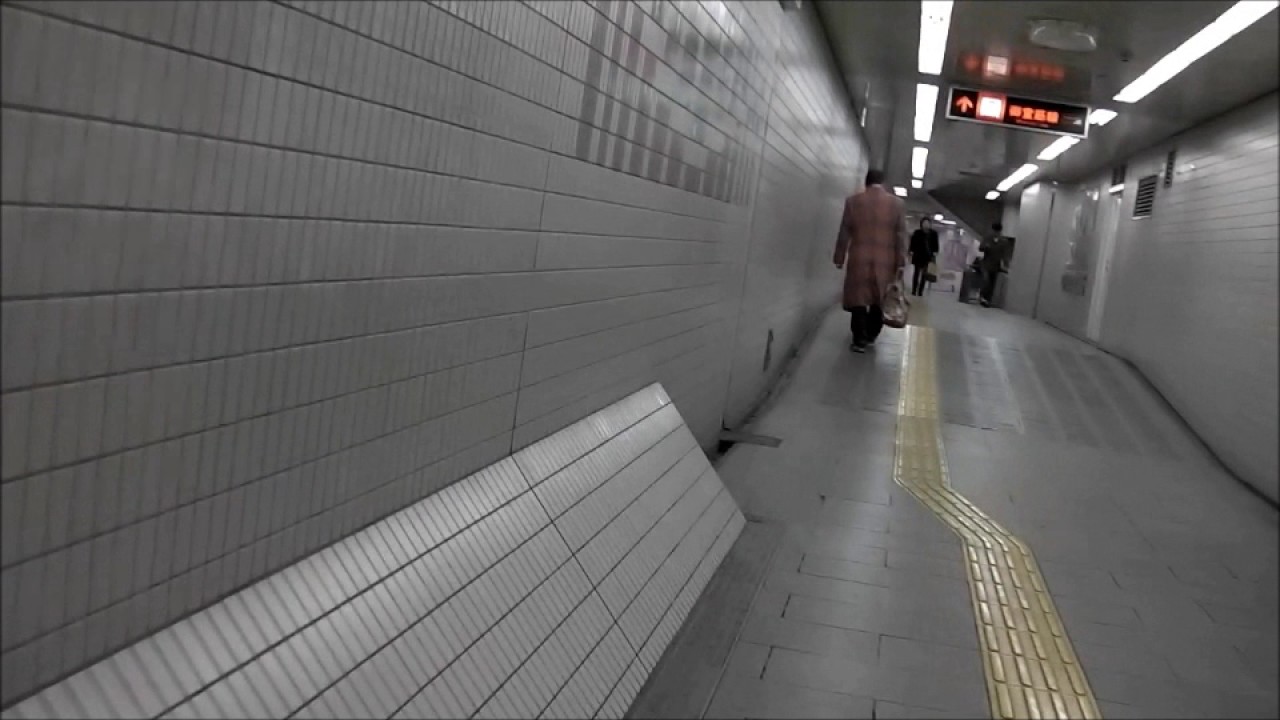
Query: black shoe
point(858, 347)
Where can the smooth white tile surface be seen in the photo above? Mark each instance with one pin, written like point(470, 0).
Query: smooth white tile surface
point(342, 255)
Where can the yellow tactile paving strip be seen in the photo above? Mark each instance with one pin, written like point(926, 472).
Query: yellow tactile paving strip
point(1031, 669)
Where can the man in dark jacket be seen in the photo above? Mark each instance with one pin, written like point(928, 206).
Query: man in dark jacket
point(994, 256)
point(924, 250)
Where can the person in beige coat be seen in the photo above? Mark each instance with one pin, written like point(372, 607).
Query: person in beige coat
point(872, 250)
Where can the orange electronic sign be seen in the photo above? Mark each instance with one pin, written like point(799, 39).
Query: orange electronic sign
point(996, 108)
point(1002, 67)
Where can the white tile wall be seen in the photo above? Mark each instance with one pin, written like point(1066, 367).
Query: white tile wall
point(270, 272)
point(468, 603)
point(1192, 296)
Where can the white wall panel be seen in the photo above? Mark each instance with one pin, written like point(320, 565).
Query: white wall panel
point(270, 272)
point(1192, 293)
point(468, 603)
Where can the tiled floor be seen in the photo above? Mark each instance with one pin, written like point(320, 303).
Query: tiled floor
point(1163, 568)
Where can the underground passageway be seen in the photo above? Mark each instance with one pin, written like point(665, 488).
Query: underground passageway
point(487, 359)
point(1159, 567)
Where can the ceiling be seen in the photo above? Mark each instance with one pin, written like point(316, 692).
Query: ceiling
point(875, 45)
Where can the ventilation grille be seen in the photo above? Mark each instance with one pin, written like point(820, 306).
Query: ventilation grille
point(1146, 196)
point(1169, 160)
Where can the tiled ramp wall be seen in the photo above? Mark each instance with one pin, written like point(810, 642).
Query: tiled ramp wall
point(272, 271)
point(545, 585)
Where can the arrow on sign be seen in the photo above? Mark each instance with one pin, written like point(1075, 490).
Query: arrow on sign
point(964, 103)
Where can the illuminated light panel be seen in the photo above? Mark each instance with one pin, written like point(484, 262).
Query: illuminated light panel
point(993, 194)
point(917, 184)
point(1116, 188)
point(1101, 117)
point(926, 106)
point(1057, 147)
point(919, 160)
point(900, 191)
point(1018, 176)
point(938, 217)
point(1230, 23)
point(935, 24)
point(990, 107)
point(997, 66)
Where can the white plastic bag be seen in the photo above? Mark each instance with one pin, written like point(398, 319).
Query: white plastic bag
point(894, 306)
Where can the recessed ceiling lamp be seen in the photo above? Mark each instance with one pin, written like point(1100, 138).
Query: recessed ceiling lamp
point(993, 194)
point(935, 23)
point(1018, 176)
point(1101, 116)
point(900, 191)
point(938, 217)
point(1240, 16)
point(919, 161)
point(917, 184)
point(1067, 35)
point(1057, 147)
point(926, 105)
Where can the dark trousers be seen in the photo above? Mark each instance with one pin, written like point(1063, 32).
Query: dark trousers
point(866, 324)
point(918, 283)
point(988, 285)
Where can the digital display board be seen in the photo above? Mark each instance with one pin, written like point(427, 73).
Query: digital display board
point(997, 108)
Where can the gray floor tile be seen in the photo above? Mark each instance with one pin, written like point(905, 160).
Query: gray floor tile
point(1128, 658)
point(886, 710)
point(898, 652)
point(754, 698)
point(894, 577)
point(747, 659)
point(791, 634)
point(932, 626)
point(1101, 612)
point(927, 564)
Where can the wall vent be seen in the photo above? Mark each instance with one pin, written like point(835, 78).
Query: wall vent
point(1169, 160)
point(1146, 200)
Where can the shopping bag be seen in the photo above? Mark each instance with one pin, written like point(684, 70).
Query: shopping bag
point(931, 273)
point(894, 306)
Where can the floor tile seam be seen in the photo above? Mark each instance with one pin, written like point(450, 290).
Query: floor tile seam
point(984, 538)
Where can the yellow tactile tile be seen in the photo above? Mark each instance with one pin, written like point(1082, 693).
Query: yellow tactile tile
point(1031, 668)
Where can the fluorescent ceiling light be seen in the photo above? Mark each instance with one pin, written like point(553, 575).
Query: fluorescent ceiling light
point(993, 194)
point(916, 184)
point(1058, 147)
point(1240, 16)
point(947, 222)
point(938, 217)
point(900, 191)
point(919, 160)
point(1101, 117)
point(935, 23)
point(926, 105)
point(1018, 176)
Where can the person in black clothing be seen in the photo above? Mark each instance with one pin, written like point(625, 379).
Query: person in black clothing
point(923, 250)
point(994, 257)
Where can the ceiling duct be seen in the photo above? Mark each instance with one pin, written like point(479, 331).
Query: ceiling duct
point(1066, 35)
